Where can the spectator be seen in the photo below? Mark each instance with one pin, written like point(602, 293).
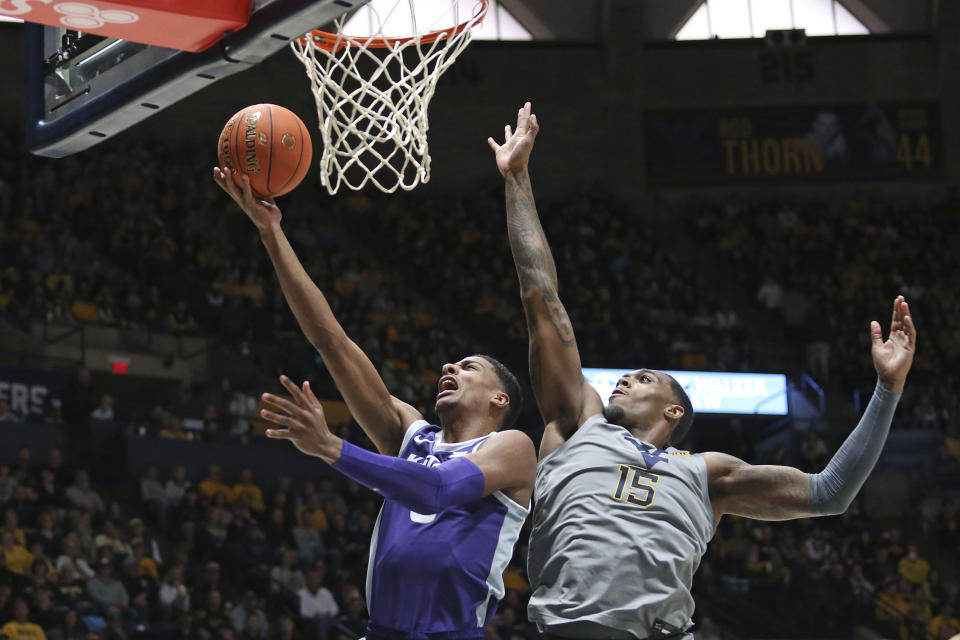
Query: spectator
point(307, 538)
point(142, 590)
point(316, 602)
point(252, 629)
point(104, 410)
point(212, 615)
point(82, 496)
point(16, 556)
point(240, 616)
point(327, 495)
point(354, 619)
point(286, 629)
point(212, 432)
point(213, 485)
point(20, 628)
point(105, 590)
point(46, 535)
point(151, 489)
point(42, 611)
point(944, 624)
point(109, 539)
point(286, 576)
point(208, 581)
point(56, 465)
point(918, 615)
point(69, 628)
point(174, 429)
point(187, 629)
point(49, 492)
point(174, 596)
point(150, 544)
point(114, 630)
point(146, 566)
point(11, 525)
point(70, 590)
point(7, 483)
point(176, 487)
point(247, 489)
point(71, 557)
point(912, 567)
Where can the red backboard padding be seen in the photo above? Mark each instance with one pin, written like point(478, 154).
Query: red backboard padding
point(188, 25)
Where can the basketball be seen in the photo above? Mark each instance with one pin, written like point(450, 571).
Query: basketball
point(268, 143)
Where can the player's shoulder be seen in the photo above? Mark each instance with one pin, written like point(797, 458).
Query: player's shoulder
point(511, 441)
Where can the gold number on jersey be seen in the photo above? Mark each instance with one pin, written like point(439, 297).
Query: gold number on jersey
point(635, 486)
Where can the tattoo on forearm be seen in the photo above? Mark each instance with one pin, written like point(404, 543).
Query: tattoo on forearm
point(535, 265)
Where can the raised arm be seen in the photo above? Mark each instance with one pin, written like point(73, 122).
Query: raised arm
point(781, 493)
point(563, 395)
point(382, 417)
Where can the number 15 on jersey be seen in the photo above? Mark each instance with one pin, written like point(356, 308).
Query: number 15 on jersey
point(635, 486)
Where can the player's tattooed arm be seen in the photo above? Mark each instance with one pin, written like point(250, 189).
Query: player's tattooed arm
point(764, 492)
point(780, 493)
point(563, 395)
point(382, 417)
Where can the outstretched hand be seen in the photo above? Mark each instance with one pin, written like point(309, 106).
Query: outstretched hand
point(264, 212)
point(303, 422)
point(892, 358)
point(513, 155)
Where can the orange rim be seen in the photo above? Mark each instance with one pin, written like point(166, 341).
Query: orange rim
point(333, 42)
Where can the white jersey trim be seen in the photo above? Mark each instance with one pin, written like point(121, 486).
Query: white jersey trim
point(374, 536)
point(440, 445)
point(415, 426)
point(509, 533)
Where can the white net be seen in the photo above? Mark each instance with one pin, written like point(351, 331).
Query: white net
point(372, 90)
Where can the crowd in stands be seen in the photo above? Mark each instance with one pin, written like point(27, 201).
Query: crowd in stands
point(102, 238)
point(825, 575)
point(220, 558)
point(740, 285)
point(184, 558)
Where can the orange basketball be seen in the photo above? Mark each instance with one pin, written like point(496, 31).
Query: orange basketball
point(268, 143)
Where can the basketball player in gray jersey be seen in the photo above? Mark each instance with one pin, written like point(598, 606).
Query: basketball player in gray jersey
point(621, 518)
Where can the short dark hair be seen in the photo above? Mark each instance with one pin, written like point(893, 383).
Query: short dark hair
point(511, 386)
point(683, 425)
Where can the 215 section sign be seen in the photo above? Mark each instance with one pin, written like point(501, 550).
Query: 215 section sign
point(813, 143)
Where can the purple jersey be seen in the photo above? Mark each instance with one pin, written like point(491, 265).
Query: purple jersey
point(439, 576)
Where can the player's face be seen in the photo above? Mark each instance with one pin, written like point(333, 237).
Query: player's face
point(470, 384)
point(641, 396)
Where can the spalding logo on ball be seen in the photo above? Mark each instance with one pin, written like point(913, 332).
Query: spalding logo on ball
point(268, 143)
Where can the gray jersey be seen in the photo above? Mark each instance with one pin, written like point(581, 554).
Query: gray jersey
point(619, 528)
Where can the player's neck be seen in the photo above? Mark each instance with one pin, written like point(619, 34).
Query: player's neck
point(463, 428)
point(652, 434)
point(647, 435)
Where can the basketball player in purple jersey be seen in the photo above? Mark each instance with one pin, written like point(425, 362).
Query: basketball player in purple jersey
point(455, 494)
point(621, 518)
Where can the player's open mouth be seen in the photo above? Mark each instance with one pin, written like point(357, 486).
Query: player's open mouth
point(617, 392)
point(447, 385)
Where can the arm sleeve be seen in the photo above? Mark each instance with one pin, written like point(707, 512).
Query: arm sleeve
point(833, 489)
point(418, 487)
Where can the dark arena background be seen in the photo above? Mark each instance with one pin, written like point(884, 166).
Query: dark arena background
point(719, 204)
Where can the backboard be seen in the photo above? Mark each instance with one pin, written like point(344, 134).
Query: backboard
point(82, 89)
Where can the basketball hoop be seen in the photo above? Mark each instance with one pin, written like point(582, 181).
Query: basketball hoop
point(372, 92)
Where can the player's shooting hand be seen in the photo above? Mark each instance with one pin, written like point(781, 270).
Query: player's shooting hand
point(892, 358)
point(302, 422)
point(513, 155)
point(264, 212)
